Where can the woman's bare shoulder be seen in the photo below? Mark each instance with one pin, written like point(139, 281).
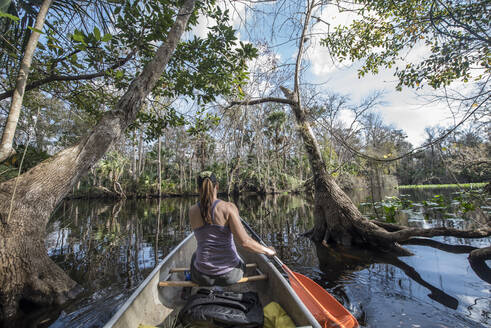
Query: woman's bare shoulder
point(195, 217)
point(194, 209)
point(228, 206)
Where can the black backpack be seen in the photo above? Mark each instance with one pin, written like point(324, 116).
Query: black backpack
point(213, 308)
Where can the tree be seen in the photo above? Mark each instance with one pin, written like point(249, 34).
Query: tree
point(454, 32)
point(20, 86)
point(26, 272)
point(337, 219)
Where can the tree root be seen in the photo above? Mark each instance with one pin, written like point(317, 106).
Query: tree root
point(455, 249)
point(51, 285)
point(391, 227)
point(477, 259)
point(39, 281)
point(388, 236)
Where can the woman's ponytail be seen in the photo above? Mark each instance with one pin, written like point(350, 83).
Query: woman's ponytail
point(206, 184)
point(206, 196)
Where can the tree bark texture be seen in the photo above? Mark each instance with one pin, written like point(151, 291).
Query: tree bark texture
point(26, 271)
point(160, 169)
point(6, 148)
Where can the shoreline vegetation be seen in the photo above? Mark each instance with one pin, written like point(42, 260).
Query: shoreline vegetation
point(100, 194)
point(445, 186)
point(96, 193)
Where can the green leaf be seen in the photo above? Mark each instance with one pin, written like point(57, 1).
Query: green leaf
point(35, 30)
point(97, 33)
point(78, 37)
point(73, 58)
point(9, 16)
point(106, 37)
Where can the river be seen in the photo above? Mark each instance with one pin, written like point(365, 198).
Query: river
point(110, 247)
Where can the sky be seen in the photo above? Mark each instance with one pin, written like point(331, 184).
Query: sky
point(408, 109)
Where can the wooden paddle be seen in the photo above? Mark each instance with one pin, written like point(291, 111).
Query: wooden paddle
point(323, 306)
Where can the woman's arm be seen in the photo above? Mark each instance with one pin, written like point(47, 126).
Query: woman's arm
point(241, 235)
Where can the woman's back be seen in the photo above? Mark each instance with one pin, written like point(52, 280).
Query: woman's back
point(216, 253)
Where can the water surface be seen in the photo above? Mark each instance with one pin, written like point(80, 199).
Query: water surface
point(110, 247)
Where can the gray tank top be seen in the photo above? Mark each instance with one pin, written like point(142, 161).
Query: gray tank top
point(216, 253)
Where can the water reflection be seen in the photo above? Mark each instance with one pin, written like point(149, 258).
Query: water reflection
point(109, 248)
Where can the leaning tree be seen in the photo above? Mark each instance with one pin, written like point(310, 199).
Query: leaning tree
point(337, 219)
point(177, 67)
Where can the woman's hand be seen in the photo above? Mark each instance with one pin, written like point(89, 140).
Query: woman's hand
point(269, 251)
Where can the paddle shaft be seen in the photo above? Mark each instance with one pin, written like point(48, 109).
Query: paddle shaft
point(276, 258)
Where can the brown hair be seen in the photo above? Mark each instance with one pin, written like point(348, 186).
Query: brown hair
point(206, 182)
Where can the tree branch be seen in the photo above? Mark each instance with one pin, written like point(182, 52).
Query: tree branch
point(260, 101)
point(415, 150)
point(53, 78)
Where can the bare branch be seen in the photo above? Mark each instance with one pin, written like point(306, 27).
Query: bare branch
point(260, 101)
point(53, 78)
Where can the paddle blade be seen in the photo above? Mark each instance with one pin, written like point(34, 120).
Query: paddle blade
point(323, 306)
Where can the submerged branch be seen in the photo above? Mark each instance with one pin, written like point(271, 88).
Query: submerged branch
point(407, 233)
point(477, 260)
point(400, 233)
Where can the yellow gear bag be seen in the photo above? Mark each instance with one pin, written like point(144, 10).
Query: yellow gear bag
point(276, 317)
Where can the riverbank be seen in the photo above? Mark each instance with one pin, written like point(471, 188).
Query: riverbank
point(103, 194)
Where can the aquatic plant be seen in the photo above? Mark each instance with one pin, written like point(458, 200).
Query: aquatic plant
point(461, 202)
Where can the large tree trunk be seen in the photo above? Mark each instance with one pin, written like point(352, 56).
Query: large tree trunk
point(9, 131)
point(26, 202)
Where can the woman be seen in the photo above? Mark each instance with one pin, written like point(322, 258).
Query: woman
point(216, 224)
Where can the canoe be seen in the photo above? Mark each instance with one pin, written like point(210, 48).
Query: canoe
point(158, 306)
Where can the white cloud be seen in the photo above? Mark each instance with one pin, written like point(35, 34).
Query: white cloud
point(407, 112)
point(237, 13)
point(261, 73)
point(202, 28)
point(318, 56)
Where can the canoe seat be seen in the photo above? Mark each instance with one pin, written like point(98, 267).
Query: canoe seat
point(248, 265)
point(177, 283)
